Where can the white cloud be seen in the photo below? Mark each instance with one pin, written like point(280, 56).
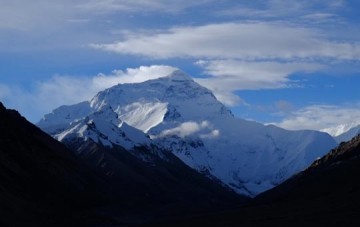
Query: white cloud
point(238, 55)
point(320, 117)
point(24, 15)
point(232, 75)
point(139, 5)
point(252, 40)
point(27, 15)
point(65, 90)
point(131, 75)
point(228, 76)
point(258, 74)
point(213, 134)
point(271, 9)
point(319, 16)
point(189, 128)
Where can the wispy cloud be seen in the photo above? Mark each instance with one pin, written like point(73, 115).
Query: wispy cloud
point(256, 74)
point(28, 15)
point(228, 76)
point(276, 9)
point(243, 40)
point(251, 45)
point(172, 6)
point(320, 117)
point(241, 55)
point(204, 129)
point(25, 16)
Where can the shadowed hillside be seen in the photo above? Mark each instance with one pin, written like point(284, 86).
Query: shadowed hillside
point(43, 183)
point(325, 194)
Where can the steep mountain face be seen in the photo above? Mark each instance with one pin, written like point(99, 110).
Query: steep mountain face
point(103, 127)
point(344, 132)
point(42, 183)
point(325, 194)
point(180, 115)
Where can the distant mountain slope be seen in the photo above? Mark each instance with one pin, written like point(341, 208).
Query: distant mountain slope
point(344, 132)
point(180, 115)
point(325, 194)
point(42, 183)
point(341, 128)
point(332, 177)
point(348, 135)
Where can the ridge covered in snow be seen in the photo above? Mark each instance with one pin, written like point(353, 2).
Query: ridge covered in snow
point(341, 128)
point(104, 126)
point(181, 116)
point(344, 132)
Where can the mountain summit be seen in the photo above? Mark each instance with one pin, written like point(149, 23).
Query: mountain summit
point(179, 115)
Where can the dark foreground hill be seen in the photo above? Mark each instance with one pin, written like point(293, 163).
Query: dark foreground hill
point(326, 194)
point(43, 183)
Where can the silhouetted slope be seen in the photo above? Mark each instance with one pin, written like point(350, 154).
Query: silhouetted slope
point(333, 176)
point(326, 194)
point(154, 188)
point(42, 183)
point(40, 180)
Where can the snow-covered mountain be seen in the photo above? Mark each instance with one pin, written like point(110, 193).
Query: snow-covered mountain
point(344, 132)
point(103, 126)
point(180, 115)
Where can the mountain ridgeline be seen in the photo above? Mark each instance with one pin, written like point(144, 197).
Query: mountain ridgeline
point(176, 114)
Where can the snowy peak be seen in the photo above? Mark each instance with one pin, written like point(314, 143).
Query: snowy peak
point(148, 104)
point(176, 97)
point(180, 115)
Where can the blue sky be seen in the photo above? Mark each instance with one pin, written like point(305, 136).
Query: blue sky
point(294, 63)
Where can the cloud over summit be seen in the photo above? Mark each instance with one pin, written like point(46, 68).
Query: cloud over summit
point(242, 40)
